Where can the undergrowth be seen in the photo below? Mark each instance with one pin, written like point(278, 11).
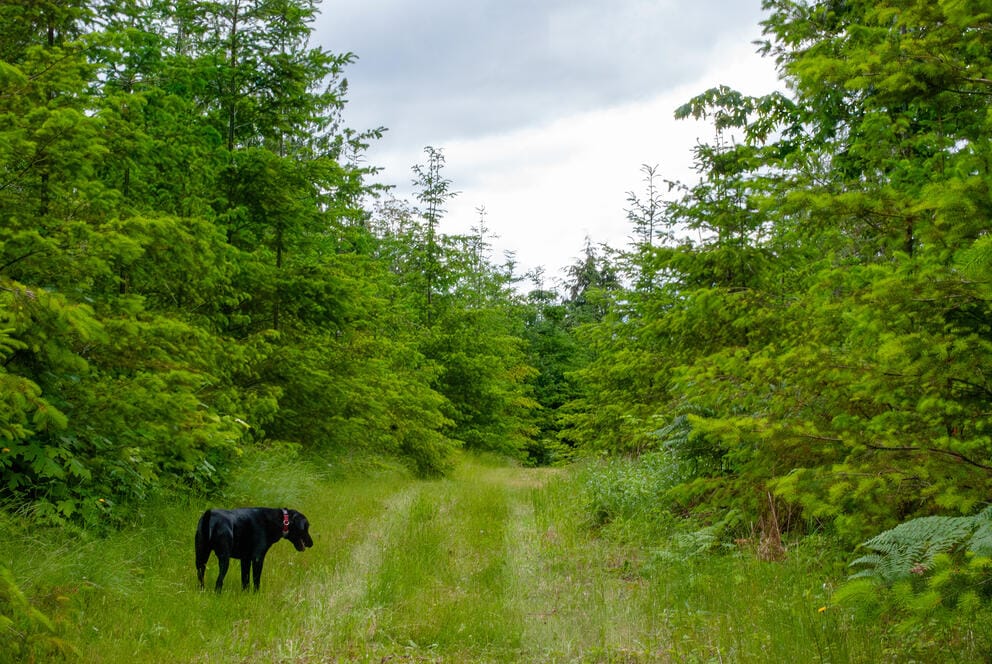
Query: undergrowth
point(920, 591)
point(930, 579)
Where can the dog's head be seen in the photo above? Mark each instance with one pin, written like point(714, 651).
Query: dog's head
point(299, 531)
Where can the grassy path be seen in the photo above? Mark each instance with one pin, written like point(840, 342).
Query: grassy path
point(489, 565)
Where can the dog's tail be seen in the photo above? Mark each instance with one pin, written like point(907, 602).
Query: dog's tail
point(203, 540)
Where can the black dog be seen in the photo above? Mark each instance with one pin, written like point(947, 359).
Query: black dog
point(246, 534)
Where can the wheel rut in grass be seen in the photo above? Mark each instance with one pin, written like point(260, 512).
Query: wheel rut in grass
point(335, 602)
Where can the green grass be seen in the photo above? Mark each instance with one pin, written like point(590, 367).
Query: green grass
point(495, 564)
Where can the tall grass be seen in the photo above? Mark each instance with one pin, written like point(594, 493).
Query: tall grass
point(495, 564)
point(716, 600)
point(132, 596)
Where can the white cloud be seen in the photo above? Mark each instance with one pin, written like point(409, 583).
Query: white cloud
point(440, 70)
point(545, 109)
point(546, 188)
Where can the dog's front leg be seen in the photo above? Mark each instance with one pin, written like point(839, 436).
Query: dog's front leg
point(256, 571)
point(245, 569)
point(222, 563)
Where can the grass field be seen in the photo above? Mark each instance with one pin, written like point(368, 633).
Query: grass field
point(494, 564)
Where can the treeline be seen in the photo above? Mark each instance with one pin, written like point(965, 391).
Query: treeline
point(193, 264)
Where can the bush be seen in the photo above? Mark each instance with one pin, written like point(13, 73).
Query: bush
point(629, 494)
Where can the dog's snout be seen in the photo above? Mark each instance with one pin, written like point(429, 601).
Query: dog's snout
point(303, 543)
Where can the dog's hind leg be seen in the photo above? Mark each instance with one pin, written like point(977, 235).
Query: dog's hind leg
point(202, 554)
point(222, 564)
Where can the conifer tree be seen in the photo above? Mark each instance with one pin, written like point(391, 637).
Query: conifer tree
point(812, 334)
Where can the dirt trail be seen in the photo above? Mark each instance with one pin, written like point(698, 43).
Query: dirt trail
point(484, 566)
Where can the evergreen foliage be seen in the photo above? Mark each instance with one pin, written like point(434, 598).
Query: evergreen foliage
point(193, 264)
point(30, 634)
point(188, 268)
point(810, 318)
point(924, 573)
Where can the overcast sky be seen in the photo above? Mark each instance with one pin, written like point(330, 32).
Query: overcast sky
point(545, 109)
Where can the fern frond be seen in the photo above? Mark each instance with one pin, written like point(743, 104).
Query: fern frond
point(675, 433)
point(870, 562)
point(911, 547)
point(981, 539)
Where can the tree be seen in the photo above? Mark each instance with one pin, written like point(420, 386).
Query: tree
point(907, 135)
point(433, 191)
point(645, 214)
point(462, 311)
point(811, 333)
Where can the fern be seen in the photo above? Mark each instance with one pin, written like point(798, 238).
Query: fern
point(910, 548)
point(693, 453)
point(981, 540)
point(930, 570)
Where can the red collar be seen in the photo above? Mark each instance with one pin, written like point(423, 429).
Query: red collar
point(285, 522)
